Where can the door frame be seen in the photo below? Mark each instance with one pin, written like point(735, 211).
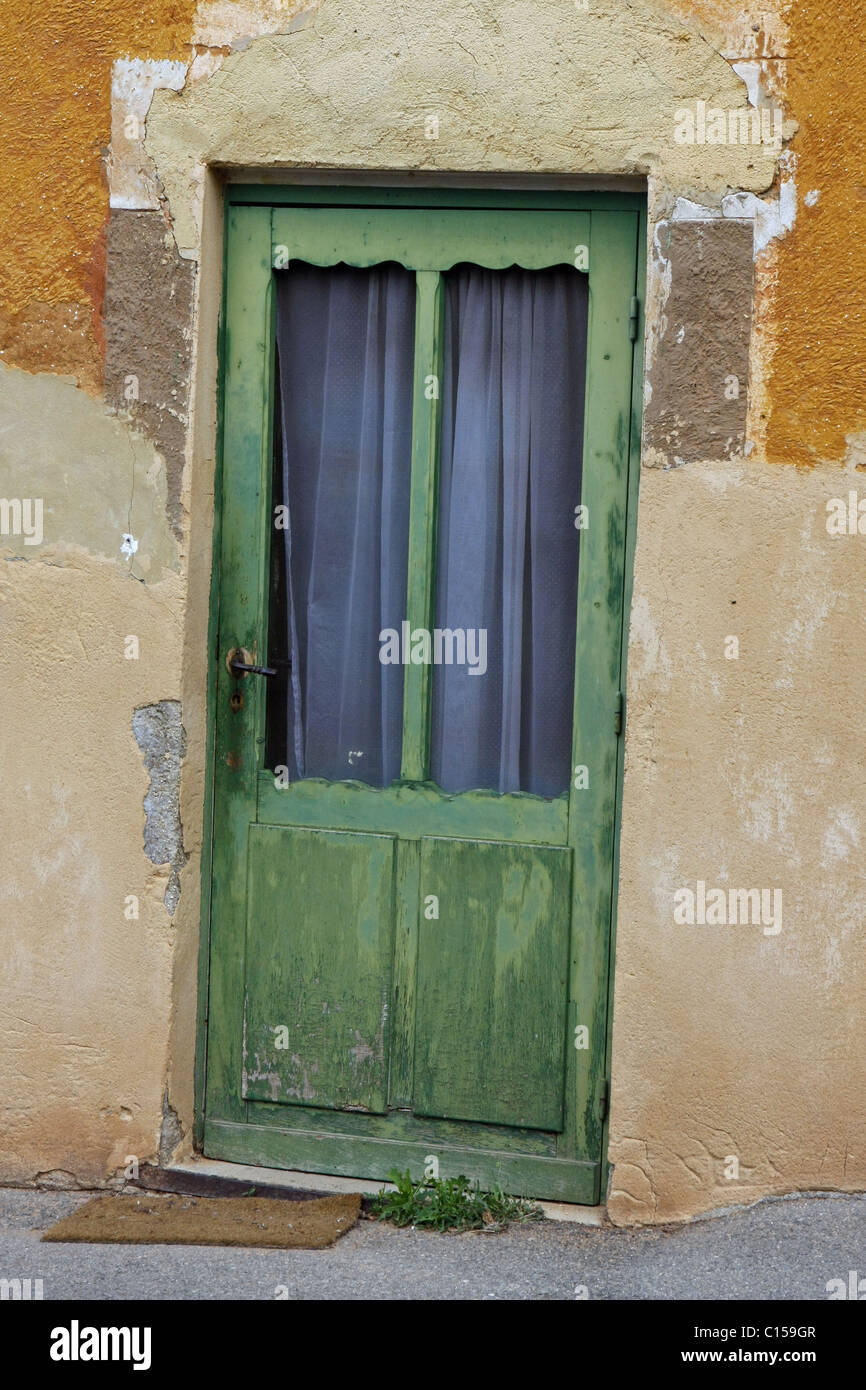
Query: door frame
point(365, 196)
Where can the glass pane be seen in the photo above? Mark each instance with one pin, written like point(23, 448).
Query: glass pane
point(343, 434)
point(507, 547)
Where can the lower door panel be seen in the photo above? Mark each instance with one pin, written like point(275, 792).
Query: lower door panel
point(492, 993)
point(319, 950)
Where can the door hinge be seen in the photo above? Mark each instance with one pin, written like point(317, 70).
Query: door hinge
point(602, 1101)
point(618, 712)
point(633, 318)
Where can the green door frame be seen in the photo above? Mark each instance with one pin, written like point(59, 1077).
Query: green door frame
point(596, 973)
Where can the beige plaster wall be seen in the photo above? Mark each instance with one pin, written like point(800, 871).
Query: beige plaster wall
point(734, 1041)
point(726, 1042)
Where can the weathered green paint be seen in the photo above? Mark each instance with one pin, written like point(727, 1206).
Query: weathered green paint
point(592, 809)
point(492, 980)
point(429, 240)
point(414, 809)
point(246, 438)
point(528, 882)
point(318, 967)
point(203, 964)
point(319, 1150)
point(407, 900)
point(426, 416)
point(440, 197)
point(403, 1124)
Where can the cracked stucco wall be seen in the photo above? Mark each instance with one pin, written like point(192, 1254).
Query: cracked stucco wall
point(727, 1043)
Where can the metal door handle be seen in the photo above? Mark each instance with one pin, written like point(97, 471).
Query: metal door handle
point(238, 666)
point(247, 670)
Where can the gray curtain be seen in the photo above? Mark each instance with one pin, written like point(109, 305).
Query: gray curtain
point(345, 342)
point(510, 479)
point(507, 548)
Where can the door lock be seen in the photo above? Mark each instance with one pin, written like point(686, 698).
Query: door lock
point(240, 664)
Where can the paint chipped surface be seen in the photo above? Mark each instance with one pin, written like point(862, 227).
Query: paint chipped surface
point(160, 735)
point(132, 180)
point(772, 217)
point(55, 94)
point(223, 23)
point(148, 335)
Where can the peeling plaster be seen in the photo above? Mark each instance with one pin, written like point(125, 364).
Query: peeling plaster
point(160, 735)
point(772, 217)
point(148, 340)
point(751, 75)
point(171, 1132)
point(223, 23)
point(55, 95)
point(131, 179)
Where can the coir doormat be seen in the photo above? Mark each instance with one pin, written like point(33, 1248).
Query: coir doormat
point(180, 1219)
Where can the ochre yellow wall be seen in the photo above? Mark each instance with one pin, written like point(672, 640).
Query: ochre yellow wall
point(817, 379)
point(55, 94)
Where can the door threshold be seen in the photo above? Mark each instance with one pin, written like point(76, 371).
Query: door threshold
point(318, 1184)
point(322, 1184)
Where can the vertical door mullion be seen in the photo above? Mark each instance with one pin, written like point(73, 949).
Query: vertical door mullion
point(420, 589)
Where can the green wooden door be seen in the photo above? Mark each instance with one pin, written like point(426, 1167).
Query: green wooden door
point(396, 973)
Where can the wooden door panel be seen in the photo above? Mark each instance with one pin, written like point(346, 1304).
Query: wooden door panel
point(320, 929)
point(492, 988)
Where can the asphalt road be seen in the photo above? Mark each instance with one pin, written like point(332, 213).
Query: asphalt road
point(787, 1248)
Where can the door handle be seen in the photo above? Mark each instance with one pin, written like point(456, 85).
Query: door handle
point(239, 662)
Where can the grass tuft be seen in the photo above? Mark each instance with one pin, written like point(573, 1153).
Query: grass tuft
point(450, 1204)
